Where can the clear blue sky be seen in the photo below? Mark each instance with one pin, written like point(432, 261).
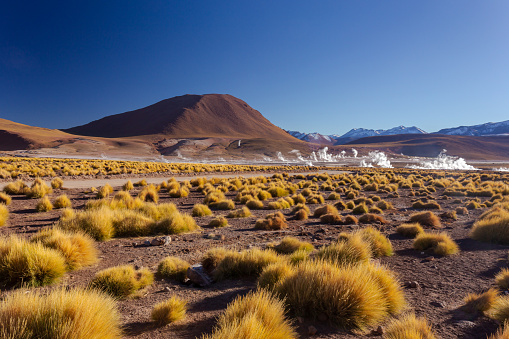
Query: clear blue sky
point(325, 66)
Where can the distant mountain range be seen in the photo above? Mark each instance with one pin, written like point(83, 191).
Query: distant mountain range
point(487, 129)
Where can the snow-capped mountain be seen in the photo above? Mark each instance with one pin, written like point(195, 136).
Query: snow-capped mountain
point(357, 133)
point(353, 134)
point(316, 138)
point(490, 128)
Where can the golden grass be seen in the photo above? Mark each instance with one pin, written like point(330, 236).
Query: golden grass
point(76, 313)
point(254, 204)
point(291, 244)
point(409, 327)
point(430, 205)
point(200, 210)
point(78, 249)
point(122, 281)
point(213, 257)
point(331, 219)
point(273, 274)
point(173, 268)
point(426, 219)
point(247, 263)
point(301, 215)
point(128, 186)
point(360, 209)
point(5, 199)
point(379, 245)
point(226, 204)
point(98, 223)
point(149, 193)
point(275, 221)
point(326, 209)
point(57, 183)
point(410, 230)
point(4, 215)
point(349, 296)
point(371, 218)
point(440, 243)
point(169, 311)
point(243, 212)
point(492, 226)
point(38, 189)
point(483, 302)
point(44, 205)
point(62, 201)
point(502, 279)
point(176, 224)
point(132, 224)
point(350, 252)
point(23, 263)
point(500, 309)
point(257, 315)
point(104, 191)
point(218, 222)
point(16, 188)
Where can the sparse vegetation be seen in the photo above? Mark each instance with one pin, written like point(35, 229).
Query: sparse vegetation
point(440, 243)
point(169, 311)
point(173, 268)
point(122, 281)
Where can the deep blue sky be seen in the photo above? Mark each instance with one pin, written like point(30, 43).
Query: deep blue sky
point(325, 66)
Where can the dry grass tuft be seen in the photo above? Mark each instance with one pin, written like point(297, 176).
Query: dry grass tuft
point(493, 226)
point(426, 219)
point(213, 257)
point(257, 315)
point(327, 209)
point(78, 249)
point(173, 268)
point(62, 201)
point(169, 311)
point(410, 230)
point(247, 263)
point(481, 302)
point(440, 243)
point(122, 281)
point(5, 199)
point(4, 215)
point(200, 210)
point(350, 252)
point(75, 313)
point(371, 218)
point(218, 222)
point(57, 183)
point(409, 326)
point(243, 212)
point(331, 219)
point(274, 221)
point(502, 279)
point(291, 244)
point(23, 263)
point(44, 205)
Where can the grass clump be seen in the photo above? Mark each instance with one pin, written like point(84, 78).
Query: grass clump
point(4, 215)
point(16, 188)
point(176, 224)
point(218, 222)
point(169, 311)
point(379, 245)
point(409, 326)
point(149, 193)
point(291, 244)
point(5, 199)
point(44, 205)
point(24, 263)
point(327, 209)
point(430, 205)
point(502, 279)
point(78, 249)
point(213, 257)
point(247, 263)
point(493, 226)
point(57, 183)
point(226, 204)
point(104, 191)
point(301, 215)
point(440, 243)
point(410, 230)
point(122, 281)
point(371, 218)
point(349, 296)
point(350, 252)
point(331, 219)
point(62, 201)
point(98, 223)
point(426, 219)
point(254, 204)
point(128, 186)
point(201, 210)
point(38, 189)
point(500, 309)
point(243, 212)
point(75, 313)
point(274, 221)
point(360, 209)
point(257, 315)
point(483, 302)
point(173, 268)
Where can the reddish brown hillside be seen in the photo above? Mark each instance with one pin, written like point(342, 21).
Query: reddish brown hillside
point(188, 116)
point(430, 145)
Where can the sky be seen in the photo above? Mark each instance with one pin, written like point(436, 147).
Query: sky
point(312, 66)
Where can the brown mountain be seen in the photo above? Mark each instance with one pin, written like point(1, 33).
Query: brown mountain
point(188, 116)
point(430, 145)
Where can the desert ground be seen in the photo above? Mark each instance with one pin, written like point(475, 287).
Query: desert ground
point(434, 286)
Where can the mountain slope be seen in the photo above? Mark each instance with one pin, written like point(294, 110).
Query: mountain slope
point(357, 133)
point(490, 128)
point(188, 116)
point(430, 145)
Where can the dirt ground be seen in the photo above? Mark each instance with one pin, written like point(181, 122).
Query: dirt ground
point(443, 281)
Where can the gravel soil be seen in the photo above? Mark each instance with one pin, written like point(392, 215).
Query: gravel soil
point(443, 282)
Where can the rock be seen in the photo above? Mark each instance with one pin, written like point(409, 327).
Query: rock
point(146, 243)
point(465, 324)
point(167, 289)
point(312, 330)
point(161, 241)
point(440, 304)
point(378, 331)
point(412, 284)
point(429, 259)
point(134, 244)
point(198, 276)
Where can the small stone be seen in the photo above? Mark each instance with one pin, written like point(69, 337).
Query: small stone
point(430, 258)
point(412, 284)
point(312, 330)
point(167, 289)
point(134, 244)
point(197, 275)
point(146, 243)
point(220, 237)
point(440, 304)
